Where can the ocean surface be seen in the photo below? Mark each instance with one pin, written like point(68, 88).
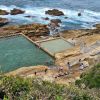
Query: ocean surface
point(90, 10)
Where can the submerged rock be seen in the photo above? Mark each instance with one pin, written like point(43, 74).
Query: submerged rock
point(29, 16)
point(54, 12)
point(16, 11)
point(3, 12)
point(3, 21)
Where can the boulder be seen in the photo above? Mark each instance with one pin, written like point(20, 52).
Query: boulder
point(16, 11)
point(56, 21)
point(79, 14)
point(45, 18)
point(54, 12)
point(3, 12)
point(3, 21)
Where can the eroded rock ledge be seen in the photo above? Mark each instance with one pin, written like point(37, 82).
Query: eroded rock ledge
point(32, 30)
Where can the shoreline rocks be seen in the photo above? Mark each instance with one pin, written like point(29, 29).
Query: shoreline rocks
point(56, 21)
point(33, 31)
point(3, 21)
point(3, 12)
point(54, 12)
point(16, 11)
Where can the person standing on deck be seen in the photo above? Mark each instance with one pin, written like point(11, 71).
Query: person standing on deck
point(81, 65)
point(69, 66)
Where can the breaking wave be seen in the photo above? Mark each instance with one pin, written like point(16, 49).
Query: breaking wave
point(87, 20)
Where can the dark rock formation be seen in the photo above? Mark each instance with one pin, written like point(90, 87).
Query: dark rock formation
point(3, 12)
point(79, 14)
point(16, 11)
point(3, 21)
point(56, 21)
point(28, 16)
point(54, 12)
point(66, 17)
point(45, 18)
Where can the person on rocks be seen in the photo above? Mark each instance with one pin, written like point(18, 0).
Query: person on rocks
point(69, 65)
point(46, 70)
point(81, 65)
point(35, 73)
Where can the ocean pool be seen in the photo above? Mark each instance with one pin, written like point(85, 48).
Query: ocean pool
point(17, 51)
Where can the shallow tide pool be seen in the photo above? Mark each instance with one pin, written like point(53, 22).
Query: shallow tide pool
point(56, 45)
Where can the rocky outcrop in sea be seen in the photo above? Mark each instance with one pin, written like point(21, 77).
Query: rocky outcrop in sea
point(54, 12)
point(16, 11)
point(3, 12)
point(3, 21)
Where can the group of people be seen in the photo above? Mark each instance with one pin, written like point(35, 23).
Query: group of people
point(81, 65)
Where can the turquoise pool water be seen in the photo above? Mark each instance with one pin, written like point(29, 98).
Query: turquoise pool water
point(55, 46)
point(17, 51)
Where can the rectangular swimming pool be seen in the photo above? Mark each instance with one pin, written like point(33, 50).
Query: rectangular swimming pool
point(56, 45)
point(17, 51)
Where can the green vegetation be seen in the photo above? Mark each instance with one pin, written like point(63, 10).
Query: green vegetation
point(18, 88)
point(91, 78)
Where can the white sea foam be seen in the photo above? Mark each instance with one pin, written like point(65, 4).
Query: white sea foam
point(87, 19)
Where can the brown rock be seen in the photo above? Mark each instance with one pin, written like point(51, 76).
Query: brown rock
point(3, 21)
point(3, 12)
point(31, 30)
point(54, 12)
point(56, 21)
point(16, 11)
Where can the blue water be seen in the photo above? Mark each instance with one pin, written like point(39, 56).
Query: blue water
point(90, 12)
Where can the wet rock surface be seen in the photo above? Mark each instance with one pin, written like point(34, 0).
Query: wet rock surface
point(32, 30)
point(54, 12)
point(46, 18)
point(16, 11)
point(3, 12)
point(56, 21)
point(3, 21)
